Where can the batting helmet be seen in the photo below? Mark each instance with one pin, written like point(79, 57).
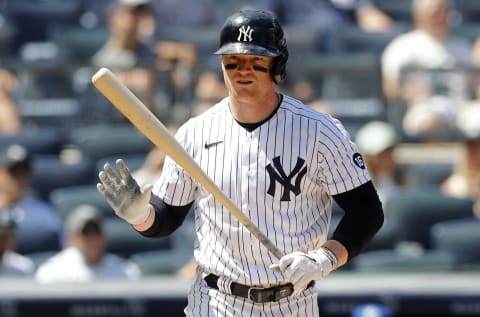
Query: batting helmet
point(255, 32)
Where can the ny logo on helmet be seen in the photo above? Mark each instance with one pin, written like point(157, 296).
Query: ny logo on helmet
point(246, 33)
point(277, 174)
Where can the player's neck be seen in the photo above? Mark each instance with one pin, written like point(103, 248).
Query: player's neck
point(253, 111)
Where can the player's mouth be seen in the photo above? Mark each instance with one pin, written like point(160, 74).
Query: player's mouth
point(244, 82)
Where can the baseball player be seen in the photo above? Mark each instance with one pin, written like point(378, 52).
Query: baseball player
point(281, 163)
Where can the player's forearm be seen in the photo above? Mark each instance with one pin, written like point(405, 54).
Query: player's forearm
point(339, 250)
point(362, 219)
point(163, 219)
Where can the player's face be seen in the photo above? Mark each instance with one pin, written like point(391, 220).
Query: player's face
point(247, 77)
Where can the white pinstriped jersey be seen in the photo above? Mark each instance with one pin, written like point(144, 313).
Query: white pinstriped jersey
point(281, 175)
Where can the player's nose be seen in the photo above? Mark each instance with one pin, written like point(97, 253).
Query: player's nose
point(244, 65)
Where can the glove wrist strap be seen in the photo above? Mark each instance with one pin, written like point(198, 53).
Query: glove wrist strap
point(328, 254)
point(141, 218)
point(148, 222)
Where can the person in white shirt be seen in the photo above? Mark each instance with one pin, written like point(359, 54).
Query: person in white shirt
point(12, 264)
point(84, 258)
point(464, 182)
point(437, 82)
point(429, 45)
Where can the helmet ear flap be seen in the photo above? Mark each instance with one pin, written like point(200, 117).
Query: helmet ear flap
point(278, 70)
point(279, 66)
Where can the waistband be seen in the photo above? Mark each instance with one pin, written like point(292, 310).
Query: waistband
point(255, 294)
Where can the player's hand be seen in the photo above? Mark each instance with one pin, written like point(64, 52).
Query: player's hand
point(123, 193)
point(302, 268)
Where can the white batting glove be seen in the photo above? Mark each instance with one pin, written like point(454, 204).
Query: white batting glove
point(123, 194)
point(302, 268)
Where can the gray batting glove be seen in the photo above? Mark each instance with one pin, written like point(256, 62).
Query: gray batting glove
point(301, 268)
point(123, 194)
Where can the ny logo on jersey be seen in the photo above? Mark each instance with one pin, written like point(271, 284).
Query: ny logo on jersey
point(277, 174)
point(246, 33)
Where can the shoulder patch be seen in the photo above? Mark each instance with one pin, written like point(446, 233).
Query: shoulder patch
point(358, 160)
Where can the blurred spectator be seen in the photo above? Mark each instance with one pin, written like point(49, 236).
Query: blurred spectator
point(429, 45)
point(16, 193)
point(147, 21)
point(125, 53)
point(209, 89)
point(177, 58)
point(465, 180)
point(320, 106)
point(377, 141)
point(84, 257)
point(10, 121)
point(330, 15)
point(11, 263)
point(187, 13)
point(476, 208)
point(152, 167)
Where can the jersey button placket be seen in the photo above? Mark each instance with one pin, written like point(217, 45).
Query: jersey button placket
point(247, 171)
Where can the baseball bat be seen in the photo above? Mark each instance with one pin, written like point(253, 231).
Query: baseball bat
point(147, 123)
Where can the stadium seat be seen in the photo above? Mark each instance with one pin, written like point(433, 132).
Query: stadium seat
point(399, 11)
point(430, 174)
point(354, 40)
point(461, 238)
point(399, 261)
point(123, 240)
point(65, 199)
point(133, 161)
point(36, 141)
point(342, 76)
point(50, 172)
point(469, 11)
point(34, 240)
point(8, 31)
point(302, 40)
point(356, 112)
point(80, 43)
point(99, 141)
point(35, 17)
point(39, 258)
point(383, 240)
point(412, 213)
point(204, 39)
point(161, 262)
point(471, 29)
point(62, 113)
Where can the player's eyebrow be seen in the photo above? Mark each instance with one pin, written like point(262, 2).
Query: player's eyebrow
point(260, 59)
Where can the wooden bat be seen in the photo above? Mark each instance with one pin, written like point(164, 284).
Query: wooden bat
point(147, 123)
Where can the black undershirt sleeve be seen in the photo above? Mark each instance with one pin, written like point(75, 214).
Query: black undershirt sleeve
point(167, 218)
point(363, 217)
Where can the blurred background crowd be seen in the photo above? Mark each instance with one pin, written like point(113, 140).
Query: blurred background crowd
point(401, 75)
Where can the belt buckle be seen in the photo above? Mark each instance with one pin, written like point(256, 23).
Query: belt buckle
point(256, 296)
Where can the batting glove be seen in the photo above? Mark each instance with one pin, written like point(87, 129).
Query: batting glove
point(123, 193)
point(301, 268)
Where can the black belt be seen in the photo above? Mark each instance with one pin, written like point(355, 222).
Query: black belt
point(256, 294)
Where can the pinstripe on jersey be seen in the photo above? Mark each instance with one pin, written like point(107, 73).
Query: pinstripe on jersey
point(263, 172)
